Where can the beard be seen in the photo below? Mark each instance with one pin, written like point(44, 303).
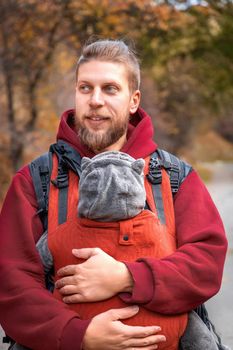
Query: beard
point(99, 140)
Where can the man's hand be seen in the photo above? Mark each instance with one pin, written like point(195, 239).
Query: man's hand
point(106, 332)
point(98, 278)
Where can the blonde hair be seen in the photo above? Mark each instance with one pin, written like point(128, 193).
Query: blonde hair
point(115, 51)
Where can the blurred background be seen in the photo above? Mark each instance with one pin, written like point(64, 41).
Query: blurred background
point(186, 54)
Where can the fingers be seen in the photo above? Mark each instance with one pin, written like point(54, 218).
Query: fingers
point(141, 332)
point(70, 295)
point(123, 313)
point(65, 281)
point(67, 270)
point(144, 335)
point(86, 253)
point(148, 347)
point(105, 331)
point(73, 299)
point(148, 342)
point(68, 290)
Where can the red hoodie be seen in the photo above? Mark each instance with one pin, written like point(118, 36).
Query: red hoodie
point(175, 284)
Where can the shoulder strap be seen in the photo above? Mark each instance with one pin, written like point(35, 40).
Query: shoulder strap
point(68, 159)
point(40, 170)
point(177, 171)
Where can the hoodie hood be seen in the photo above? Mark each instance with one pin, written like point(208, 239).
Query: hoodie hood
point(139, 143)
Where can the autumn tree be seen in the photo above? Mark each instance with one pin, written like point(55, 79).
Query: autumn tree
point(29, 33)
point(9, 65)
point(194, 72)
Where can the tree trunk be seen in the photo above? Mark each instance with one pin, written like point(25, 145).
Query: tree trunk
point(32, 108)
point(16, 151)
point(16, 143)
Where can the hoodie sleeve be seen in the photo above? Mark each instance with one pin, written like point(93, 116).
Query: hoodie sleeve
point(193, 273)
point(28, 312)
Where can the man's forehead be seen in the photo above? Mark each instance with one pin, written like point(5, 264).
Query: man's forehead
point(102, 70)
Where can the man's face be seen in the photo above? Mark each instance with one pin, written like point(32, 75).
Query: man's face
point(103, 105)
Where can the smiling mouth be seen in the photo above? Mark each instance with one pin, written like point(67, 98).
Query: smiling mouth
point(96, 122)
point(96, 118)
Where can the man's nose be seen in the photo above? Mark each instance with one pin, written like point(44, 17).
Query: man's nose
point(96, 98)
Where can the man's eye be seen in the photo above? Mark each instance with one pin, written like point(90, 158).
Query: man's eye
point(111, 89)
point(84, 88)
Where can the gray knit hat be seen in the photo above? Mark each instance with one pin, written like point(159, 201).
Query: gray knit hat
point(111, 187)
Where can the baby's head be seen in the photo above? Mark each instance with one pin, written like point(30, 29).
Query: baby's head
point(111, 187)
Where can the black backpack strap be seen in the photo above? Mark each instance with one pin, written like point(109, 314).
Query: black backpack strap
point(40, 170)
point(177, 171)
point(62, 183)
point(68, 158)
point(155, 178)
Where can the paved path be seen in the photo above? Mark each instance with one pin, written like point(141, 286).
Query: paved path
point(220, 307)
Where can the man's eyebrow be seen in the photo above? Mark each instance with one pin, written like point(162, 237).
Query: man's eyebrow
point(111, 82)
point(104, 83)
point(84, 81)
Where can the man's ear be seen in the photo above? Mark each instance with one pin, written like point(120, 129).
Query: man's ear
point(134, 101)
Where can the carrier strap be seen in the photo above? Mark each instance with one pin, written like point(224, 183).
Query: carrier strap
point(155, 178)
point(62, 205)
point(40, 170)
point(68, 159)
point(177, 171)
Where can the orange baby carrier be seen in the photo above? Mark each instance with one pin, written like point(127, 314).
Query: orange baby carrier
point(151, 233)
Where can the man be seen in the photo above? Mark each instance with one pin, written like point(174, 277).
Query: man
point(107, 117)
